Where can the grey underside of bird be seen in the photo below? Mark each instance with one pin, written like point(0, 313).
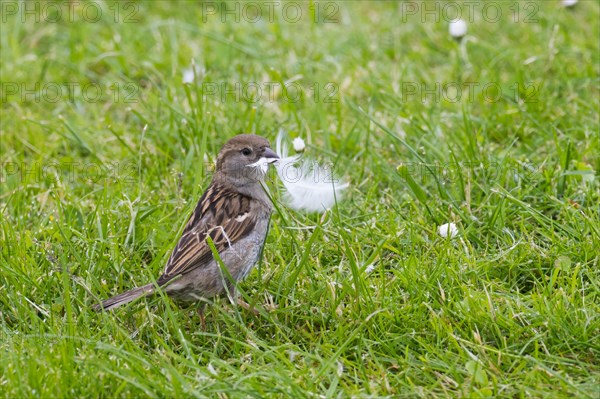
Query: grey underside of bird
point(204, 281)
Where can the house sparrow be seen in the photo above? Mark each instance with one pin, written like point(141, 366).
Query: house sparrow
point(234, 212)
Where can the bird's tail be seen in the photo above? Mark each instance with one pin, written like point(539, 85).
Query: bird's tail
point(124, 298)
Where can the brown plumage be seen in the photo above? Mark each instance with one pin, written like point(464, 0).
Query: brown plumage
point(234, 212)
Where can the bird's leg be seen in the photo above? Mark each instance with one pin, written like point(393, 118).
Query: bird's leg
point(245, 305)
point(234, 298)
point(202, 317)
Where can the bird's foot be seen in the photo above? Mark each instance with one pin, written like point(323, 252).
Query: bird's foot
point(246, 306)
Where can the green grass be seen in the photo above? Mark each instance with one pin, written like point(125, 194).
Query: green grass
point(95, 191)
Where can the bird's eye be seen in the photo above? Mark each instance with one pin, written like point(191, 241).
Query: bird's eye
point(246, 151)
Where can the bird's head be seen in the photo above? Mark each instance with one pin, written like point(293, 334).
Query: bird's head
point(245, 159)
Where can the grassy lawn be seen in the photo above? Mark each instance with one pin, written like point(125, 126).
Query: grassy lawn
point(112, 114)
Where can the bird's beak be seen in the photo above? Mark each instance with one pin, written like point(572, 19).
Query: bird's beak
point(270, 155)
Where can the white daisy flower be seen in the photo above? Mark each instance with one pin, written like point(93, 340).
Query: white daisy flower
point(448, 229)
point(457, 28)
point(298, 144)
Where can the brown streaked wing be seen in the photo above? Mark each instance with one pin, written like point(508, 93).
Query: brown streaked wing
point(221, 214)
point(200, 209)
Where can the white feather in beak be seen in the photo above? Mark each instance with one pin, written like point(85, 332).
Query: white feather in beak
point(262, 165)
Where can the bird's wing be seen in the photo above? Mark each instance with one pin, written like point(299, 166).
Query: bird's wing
point(222, 215)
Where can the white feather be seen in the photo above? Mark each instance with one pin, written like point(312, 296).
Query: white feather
point(309, 186)
point(262, 165)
